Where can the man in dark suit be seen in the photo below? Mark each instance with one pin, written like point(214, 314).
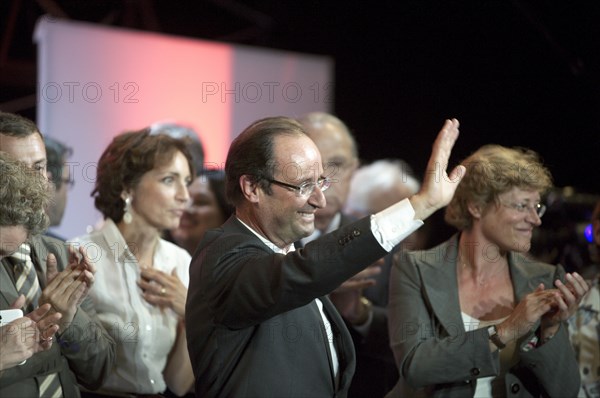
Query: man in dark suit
point(357, 299)
point(83, 352)
point(257, 316)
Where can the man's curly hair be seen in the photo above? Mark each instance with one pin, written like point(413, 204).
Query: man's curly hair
point(24, 196)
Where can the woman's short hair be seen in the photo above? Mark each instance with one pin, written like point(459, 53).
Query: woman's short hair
point(126, 159)
point(251, 153)
point(24, 196)
point(491, 171)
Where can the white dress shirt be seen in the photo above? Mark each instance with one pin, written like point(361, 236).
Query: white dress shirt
point(145, 334)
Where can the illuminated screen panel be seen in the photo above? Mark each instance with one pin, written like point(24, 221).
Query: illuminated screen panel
point(96, 82)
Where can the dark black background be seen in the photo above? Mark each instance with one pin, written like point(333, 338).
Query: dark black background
point(516, 73)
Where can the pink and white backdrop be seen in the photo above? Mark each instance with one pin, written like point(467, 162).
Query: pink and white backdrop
point(95, 82)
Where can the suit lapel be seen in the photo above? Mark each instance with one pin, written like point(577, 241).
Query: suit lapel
point(438, 270)
point(336, 321)
point(343, 342)
point(39, 251)
point(523, 283)
point(39, 254)
point(324, 338)
point(7, 287)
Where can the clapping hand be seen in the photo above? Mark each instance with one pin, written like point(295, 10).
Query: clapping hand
point(567, 298)
point(347, 297)
point(549, 306)
point(67, 289)
point(27, 335)
point(527, 312)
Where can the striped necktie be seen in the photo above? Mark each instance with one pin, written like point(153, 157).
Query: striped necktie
point(27, 284)
point(26, 278)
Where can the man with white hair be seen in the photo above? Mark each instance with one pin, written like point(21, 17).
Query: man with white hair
point(376, 185)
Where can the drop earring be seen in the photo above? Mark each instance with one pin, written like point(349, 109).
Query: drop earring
point(127, 217)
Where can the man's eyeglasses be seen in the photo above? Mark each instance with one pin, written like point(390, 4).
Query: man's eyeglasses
point(306, 188)
point(538, 208)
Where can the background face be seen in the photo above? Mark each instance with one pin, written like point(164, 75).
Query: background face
point(339, 163)
point(203, 214)
point(56, 209)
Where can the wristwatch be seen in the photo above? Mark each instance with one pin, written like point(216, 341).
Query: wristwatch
point(494, 338)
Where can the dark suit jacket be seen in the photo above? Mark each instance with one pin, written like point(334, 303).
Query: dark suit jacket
point(253, 327)
point(83, 353)
point(435, 355)
point(376, 372)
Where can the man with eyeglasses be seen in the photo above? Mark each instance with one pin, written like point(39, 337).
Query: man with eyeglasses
point(59, 173)
point(257, 316)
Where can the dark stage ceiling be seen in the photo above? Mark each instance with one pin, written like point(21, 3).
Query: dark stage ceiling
point(523, 73)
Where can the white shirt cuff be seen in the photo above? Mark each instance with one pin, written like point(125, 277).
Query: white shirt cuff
point(394, 224)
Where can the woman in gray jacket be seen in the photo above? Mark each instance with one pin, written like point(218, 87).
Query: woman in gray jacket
point(476, 317)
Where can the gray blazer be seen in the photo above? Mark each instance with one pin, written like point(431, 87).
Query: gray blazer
point(83, 353)
point(435, 355)
point(253, 327)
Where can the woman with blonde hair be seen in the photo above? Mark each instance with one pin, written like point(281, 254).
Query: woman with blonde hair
point(475, 316)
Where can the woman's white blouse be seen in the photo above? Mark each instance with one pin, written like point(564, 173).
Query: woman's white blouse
point(145, 334)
